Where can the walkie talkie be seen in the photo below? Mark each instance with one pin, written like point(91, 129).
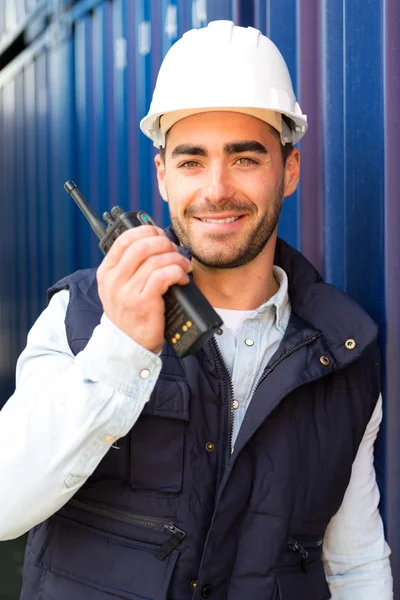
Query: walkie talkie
point(190, 320)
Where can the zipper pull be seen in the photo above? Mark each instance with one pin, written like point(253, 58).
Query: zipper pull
point(296, 547)
point(174, 541)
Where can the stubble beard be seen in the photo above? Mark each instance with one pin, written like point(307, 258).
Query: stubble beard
point(237, 254)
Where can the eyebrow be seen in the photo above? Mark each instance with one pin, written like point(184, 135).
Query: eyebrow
point(230, 148)
point(246, 146)
point(188, 149)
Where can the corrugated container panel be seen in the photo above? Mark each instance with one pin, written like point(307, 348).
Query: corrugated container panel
point(142, 68)
point(102, 152)
point(84, 111)
point(20, 214)
point(391, 291)
point(9, 346)
point(40, 167)
point(278, 19)
point(10, 16)
point(2, 20)
point(70, 107)
point(205, 11)
point(121, 97)
point(63, 218)
point(164, 32)
point(33, 225)
point(10, 293)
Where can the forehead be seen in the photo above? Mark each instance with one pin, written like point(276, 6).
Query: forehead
point(219, 127)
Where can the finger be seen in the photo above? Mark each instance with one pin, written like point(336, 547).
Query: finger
point(140, 251)
point(154, 263)
point(125, 240)
point(161, 279)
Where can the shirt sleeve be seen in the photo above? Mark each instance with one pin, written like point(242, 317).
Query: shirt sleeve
point(65, 414)
point(355, 553)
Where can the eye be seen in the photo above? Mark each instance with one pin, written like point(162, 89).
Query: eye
point(189, 164)
point(246, 162)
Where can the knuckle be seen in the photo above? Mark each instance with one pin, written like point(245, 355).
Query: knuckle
point(175, 271)
point(143, 247)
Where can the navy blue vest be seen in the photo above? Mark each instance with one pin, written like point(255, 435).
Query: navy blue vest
point(172, 514)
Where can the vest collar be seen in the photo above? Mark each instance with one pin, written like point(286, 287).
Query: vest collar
point(346, 328)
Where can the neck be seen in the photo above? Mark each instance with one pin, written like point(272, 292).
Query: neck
point(243, 288)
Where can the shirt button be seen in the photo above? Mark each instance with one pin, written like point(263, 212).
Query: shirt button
point(235, 404)
point(249, 342)
point(144, 373)
point(206, 591)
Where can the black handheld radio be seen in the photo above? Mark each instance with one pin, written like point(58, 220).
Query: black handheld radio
point(189, 318)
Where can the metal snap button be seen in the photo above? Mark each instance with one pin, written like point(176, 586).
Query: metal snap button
point(210, 446)
point(350, 344)
point(193, 584)
point(324, 360)
point(219, 331)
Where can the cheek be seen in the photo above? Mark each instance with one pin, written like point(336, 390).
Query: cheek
point(180, 192)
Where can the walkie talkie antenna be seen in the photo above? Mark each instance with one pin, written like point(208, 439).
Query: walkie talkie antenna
point(95, 223)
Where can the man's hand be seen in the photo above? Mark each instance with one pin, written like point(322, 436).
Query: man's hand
point(137, 270)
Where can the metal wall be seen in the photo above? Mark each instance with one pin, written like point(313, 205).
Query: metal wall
point(70, 105)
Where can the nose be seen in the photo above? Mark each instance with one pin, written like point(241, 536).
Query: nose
point(219, 185)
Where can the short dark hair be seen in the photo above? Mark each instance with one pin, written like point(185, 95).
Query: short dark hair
point(285, 149)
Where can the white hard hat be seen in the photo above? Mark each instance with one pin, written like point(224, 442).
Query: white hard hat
point(224, 67)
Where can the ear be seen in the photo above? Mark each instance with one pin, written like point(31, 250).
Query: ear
point(292, 172)
point(160, 167)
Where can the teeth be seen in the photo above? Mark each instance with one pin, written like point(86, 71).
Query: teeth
point(230, 220)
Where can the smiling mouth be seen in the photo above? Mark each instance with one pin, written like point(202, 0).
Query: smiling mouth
point(228, 220)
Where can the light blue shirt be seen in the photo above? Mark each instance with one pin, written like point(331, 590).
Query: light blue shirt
point(67, 412)
point(248, 340)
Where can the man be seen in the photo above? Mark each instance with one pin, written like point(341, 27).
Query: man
point(246, 470)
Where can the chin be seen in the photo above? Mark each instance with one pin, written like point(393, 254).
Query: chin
point(220, 262)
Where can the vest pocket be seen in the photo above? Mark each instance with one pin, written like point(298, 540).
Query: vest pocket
point(155, 451)
point(83, 563)
point(307, 583)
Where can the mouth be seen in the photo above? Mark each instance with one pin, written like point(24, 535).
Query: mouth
point(218, 221)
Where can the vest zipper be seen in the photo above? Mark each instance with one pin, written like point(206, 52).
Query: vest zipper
point(143, 521)
point(231, 412)
point(265, 374)
point(295, 546)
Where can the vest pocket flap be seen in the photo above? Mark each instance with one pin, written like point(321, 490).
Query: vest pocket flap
point(170, 398)
point(79, 558)
point(308, 583)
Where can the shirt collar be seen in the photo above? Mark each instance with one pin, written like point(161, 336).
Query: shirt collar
point(280, 300)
